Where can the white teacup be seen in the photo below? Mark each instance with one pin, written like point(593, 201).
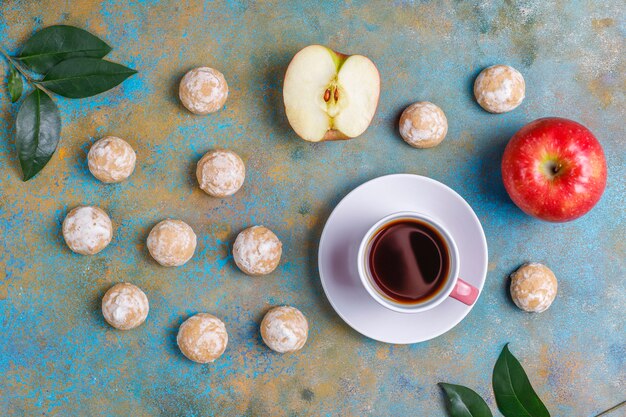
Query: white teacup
point(453, 286)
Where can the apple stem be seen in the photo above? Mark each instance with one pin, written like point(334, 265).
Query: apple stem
point(553, 168)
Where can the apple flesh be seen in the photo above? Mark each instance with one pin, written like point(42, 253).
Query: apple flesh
point(328, 95)
point(554, 169)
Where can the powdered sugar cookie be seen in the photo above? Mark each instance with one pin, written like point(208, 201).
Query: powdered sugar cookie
point(125, 306)
point(171, 242)
point(533, 287)
point(423, 125)
point(111, 159)
point(203, 90)
point(284, 329)
point(220, 173)
point(87, 230)
point(257, 251)
point(202, 338)
point(499, 89)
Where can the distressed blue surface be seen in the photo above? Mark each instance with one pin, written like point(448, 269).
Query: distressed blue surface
point(58, 356)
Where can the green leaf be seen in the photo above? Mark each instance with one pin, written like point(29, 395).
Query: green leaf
point(464, 402)
point(54, 44)
point(85, 77)
point(514, 394)
point(15, 85)
point(37, 132)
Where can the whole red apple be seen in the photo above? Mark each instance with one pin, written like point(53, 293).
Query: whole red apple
point(554, 169)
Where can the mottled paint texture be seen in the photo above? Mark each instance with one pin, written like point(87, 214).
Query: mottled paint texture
point(59, 357)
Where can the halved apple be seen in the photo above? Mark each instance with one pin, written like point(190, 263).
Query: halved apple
point(328, 95)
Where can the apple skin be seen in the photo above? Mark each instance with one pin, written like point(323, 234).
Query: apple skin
point(334, 135)
point(554, 169)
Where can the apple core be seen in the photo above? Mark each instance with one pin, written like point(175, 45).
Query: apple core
point(328, 95)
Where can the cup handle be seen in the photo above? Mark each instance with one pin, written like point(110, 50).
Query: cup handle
point(464, 292)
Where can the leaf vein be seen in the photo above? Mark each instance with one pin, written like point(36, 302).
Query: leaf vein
point(27, 57)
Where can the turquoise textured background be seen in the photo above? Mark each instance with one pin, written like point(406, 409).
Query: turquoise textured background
point(59, 358)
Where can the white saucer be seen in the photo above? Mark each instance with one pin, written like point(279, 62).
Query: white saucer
point(349, 222)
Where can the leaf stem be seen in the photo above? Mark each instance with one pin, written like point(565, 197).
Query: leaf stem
point(17, 66)
point(35, 83)
point(610, 410)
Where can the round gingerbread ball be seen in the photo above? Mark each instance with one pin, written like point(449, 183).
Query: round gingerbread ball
point(284, 329)
point(203, 90)
point(125, 306)
point(111, 159)
point(171, 242)
point(257, 251)
point(423, 125)
point(87, 230)
point(533, 287)
point(202, 338)
point(499, 89)
point(220, 173)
